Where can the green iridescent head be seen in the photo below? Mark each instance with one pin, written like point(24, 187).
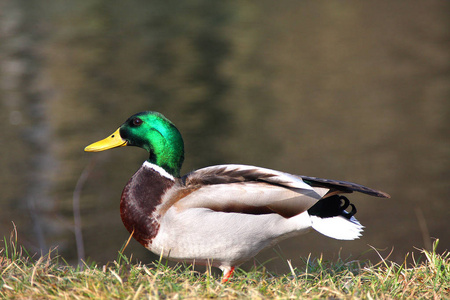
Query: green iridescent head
point(152, 132)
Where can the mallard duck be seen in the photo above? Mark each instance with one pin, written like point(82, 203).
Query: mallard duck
point(221, 215)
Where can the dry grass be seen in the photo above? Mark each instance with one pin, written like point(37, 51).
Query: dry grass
point(51, 278)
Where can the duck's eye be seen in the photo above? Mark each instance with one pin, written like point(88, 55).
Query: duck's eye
point(137, 122)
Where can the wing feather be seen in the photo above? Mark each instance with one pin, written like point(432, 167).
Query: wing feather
point(343, 186)
point(243, 173)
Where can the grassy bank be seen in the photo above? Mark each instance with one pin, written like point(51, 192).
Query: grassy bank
point(51, 278)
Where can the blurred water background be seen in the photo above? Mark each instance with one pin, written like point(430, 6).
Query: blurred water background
point(354, 90)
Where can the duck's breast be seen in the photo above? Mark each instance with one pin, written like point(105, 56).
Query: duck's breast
point(140, 199)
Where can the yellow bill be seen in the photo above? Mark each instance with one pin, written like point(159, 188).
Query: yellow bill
point(112, 141)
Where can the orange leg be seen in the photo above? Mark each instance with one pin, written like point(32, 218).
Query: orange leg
point(227, 274)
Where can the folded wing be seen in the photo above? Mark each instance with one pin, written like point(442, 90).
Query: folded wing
point(255, 190)
point(247, 189)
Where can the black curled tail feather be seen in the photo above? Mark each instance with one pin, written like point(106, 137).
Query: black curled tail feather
point(333, 206)
point(334, 217)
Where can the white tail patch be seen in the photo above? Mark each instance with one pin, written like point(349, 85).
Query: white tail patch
point(338, 227)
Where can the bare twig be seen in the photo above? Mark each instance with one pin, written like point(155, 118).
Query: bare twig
point(423, 229)
point(76, 211)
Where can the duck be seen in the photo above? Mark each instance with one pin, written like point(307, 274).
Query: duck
point(221, 215)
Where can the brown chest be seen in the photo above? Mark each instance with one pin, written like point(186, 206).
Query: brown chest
point(140, 198)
